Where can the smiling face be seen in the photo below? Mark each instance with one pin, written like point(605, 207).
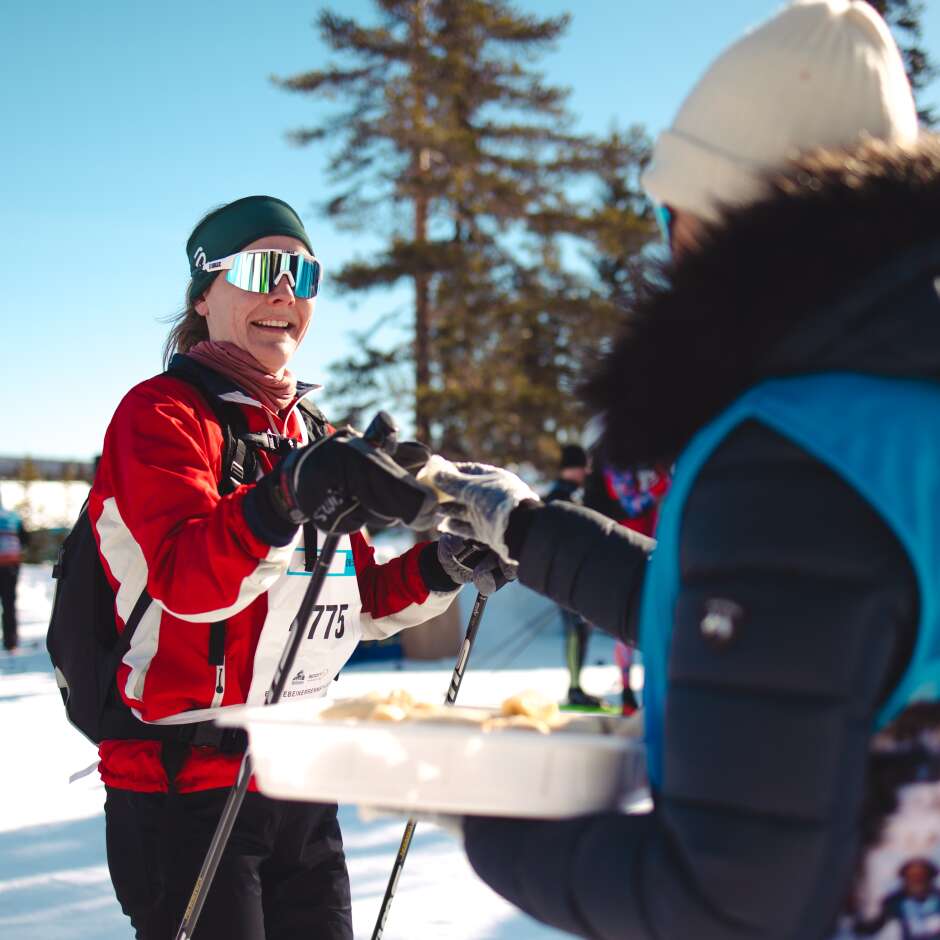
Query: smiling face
point(269, 326)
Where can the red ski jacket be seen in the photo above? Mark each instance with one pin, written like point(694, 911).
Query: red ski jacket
point(161, 524)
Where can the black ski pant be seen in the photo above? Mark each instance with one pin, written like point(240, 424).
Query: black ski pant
point(282, 875)
point(8, 578)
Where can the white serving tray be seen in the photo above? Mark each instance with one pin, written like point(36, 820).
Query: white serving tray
point(597, 762)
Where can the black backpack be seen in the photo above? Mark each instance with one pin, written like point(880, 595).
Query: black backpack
point(83, 641)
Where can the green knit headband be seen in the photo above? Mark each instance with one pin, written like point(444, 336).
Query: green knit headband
point(232, 227)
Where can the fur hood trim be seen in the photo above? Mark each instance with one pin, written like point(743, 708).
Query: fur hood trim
point(815, 277)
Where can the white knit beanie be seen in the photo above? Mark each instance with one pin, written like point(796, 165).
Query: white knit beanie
point(821, 73)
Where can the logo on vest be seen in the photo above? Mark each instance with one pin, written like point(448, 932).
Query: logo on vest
point(721, 620)
point(299, 678)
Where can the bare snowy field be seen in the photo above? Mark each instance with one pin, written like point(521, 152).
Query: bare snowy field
point(54, 882)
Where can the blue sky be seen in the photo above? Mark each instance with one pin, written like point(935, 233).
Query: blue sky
point(123, 122)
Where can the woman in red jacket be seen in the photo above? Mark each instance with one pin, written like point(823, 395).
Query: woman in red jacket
point(226, 574)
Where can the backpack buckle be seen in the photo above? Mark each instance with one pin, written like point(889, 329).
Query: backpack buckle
point(234, 741)
point(271, 442)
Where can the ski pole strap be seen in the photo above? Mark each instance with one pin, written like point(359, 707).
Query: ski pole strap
point(310, 546)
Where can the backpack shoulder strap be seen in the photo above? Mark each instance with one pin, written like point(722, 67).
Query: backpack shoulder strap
point(317, 428)
point(313, 418)
point(239, 462)
point(133, 621)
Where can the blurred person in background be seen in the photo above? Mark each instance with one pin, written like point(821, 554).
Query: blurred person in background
point(572, 472)
point(788, 360)
point(13, 539)
point(631, 497)
point(568, 487)
point(225, 564)
point(914, 907)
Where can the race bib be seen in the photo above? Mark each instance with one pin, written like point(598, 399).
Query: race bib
point(330, 635)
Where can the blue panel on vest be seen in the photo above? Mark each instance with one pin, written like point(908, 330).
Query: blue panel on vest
point(882, 436)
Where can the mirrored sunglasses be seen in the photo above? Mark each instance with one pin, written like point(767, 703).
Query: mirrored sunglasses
point(260, 271)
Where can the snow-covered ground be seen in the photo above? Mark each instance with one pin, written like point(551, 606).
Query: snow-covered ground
point(54, 882)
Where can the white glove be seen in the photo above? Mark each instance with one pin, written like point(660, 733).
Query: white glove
point(481, 498)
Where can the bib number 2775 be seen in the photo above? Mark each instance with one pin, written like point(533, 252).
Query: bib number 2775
point(334, 622)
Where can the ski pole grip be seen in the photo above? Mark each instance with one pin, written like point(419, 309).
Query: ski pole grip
point(471, 554)
point(382, 433)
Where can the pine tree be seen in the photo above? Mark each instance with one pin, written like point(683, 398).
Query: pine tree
point(621, 225)
point(577, 317)
point(904, 16)
point(448, 123)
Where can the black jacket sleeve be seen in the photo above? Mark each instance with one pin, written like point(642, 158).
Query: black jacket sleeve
point(583, 561)
point(755, 833)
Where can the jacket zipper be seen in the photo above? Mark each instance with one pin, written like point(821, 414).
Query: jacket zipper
point(219, 685)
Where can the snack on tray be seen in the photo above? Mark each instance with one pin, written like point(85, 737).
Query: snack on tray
point(529, 710)
point(532, 704)
point(384, 712)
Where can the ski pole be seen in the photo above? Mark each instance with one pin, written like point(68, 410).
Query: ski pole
point(456, 679)
point(380, 431)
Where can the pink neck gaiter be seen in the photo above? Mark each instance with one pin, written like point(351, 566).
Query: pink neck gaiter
point(247, 373)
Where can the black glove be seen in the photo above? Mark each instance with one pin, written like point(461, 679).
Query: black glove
point(411, 455)
point(465, 561)
point(339, 483)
